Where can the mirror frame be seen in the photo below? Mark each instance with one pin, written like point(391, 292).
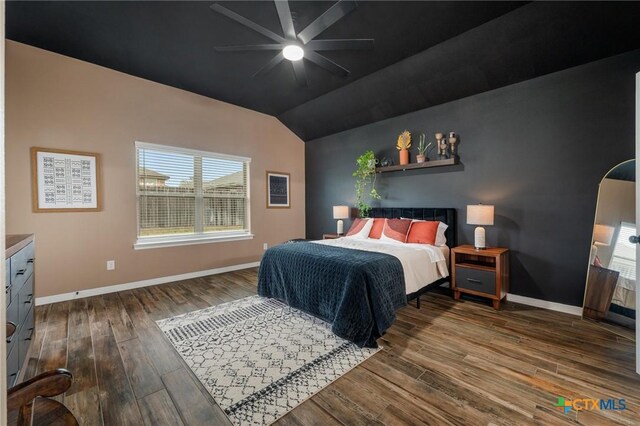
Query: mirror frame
point(595, 217)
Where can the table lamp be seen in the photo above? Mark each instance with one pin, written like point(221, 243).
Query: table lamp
point(602, 236)
point(340, 212)
point(479, 214)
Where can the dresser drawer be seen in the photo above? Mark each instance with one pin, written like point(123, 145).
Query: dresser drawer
point(7, 283)
point(29, 257)
point(25, 299)
point(22, 265)
point(13, 366)
point(26, 335)
point(476, 279)
point(12, 312)
point(18, 269)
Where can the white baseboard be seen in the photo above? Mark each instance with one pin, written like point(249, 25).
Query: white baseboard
point(553, 306)
point(137, 284)
point(538, 303)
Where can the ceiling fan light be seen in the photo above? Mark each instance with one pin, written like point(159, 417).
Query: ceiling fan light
point(293, 52)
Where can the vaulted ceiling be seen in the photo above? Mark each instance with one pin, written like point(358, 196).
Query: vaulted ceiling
point(425, 54)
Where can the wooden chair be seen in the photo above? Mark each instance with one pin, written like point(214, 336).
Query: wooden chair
point(11, 328)
point(28, 403)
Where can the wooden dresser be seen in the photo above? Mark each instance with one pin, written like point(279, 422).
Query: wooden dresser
point(19, 290)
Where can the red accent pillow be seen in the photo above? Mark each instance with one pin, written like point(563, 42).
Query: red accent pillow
point(396, 229)
point(423, 232)
point(356, 226)
point(378, 226)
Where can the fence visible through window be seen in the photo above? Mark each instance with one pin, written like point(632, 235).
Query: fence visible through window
point(181, 193)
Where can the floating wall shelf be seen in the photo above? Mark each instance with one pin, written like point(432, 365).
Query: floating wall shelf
point(427, 164)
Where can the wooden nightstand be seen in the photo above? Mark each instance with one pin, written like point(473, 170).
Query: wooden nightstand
point(601, 284)
point(332, 236)
point(480, 272)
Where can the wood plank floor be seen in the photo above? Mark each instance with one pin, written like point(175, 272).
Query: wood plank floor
point(447, 363)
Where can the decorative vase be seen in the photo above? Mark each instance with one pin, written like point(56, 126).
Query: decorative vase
point(453, 140)
point(420, 158)
point(404, 157)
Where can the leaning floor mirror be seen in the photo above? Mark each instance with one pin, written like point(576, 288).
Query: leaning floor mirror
point(610, 295)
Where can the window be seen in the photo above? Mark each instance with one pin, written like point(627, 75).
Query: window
point(186, 196)
point(624, 253)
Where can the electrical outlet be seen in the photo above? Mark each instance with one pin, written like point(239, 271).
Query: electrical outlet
point(111, 265)
point(265, 246)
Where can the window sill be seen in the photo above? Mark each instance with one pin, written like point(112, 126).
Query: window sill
point(187, 240)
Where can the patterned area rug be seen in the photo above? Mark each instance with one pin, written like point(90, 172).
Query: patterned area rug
point(258, 357)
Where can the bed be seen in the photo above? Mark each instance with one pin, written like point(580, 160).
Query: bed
point(357, 286)
point(624, 298)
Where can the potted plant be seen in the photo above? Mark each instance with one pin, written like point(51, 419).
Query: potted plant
point(422, 149)
point(365, 176)
point(403, 145)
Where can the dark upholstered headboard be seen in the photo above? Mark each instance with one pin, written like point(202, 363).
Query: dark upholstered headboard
point(447, 216)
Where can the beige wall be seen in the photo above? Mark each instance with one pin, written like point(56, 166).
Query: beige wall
point(58, 102)
point(616, 203)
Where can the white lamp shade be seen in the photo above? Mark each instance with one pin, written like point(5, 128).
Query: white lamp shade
point(603, 234)
point(341, 212)
point(479, 214)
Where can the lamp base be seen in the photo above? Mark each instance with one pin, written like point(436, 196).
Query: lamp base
point(593, 254)
point(340, 229)
point(479, 238)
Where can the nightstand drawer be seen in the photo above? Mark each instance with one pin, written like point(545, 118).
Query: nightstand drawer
point(476, 280)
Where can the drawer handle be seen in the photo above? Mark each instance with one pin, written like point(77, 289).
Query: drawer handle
point(472, 280)
point(30, 334)
point(14, 374)
point(21, 272)
point(9, 339)
point(30, 260)
point(30, 299)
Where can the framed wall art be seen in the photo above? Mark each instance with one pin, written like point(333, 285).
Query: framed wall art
point(65, 181)
point(278, 190)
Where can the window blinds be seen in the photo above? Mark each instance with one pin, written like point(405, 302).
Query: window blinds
point(624, 252)
point(183, 192)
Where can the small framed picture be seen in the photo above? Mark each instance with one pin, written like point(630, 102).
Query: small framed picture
point(278, 190)
point(65, 181)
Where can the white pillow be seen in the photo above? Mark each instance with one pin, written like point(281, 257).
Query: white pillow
point(364, 232)
point(441, 240)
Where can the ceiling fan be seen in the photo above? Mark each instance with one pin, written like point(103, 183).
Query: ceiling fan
point(295, 47)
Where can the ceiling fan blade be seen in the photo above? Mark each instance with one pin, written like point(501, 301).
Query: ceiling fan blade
point(270, 65)
point(325, 63)
point(340, 44)
point(300, 72)
point(249, 47)
point(285, 19)
point(247, 23)
point(328, 18)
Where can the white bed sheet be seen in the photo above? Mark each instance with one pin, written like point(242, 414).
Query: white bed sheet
point(422, 263)
point(625, 293)
point(446, 252)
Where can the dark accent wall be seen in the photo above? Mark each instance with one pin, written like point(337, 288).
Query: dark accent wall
point(537, 150)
